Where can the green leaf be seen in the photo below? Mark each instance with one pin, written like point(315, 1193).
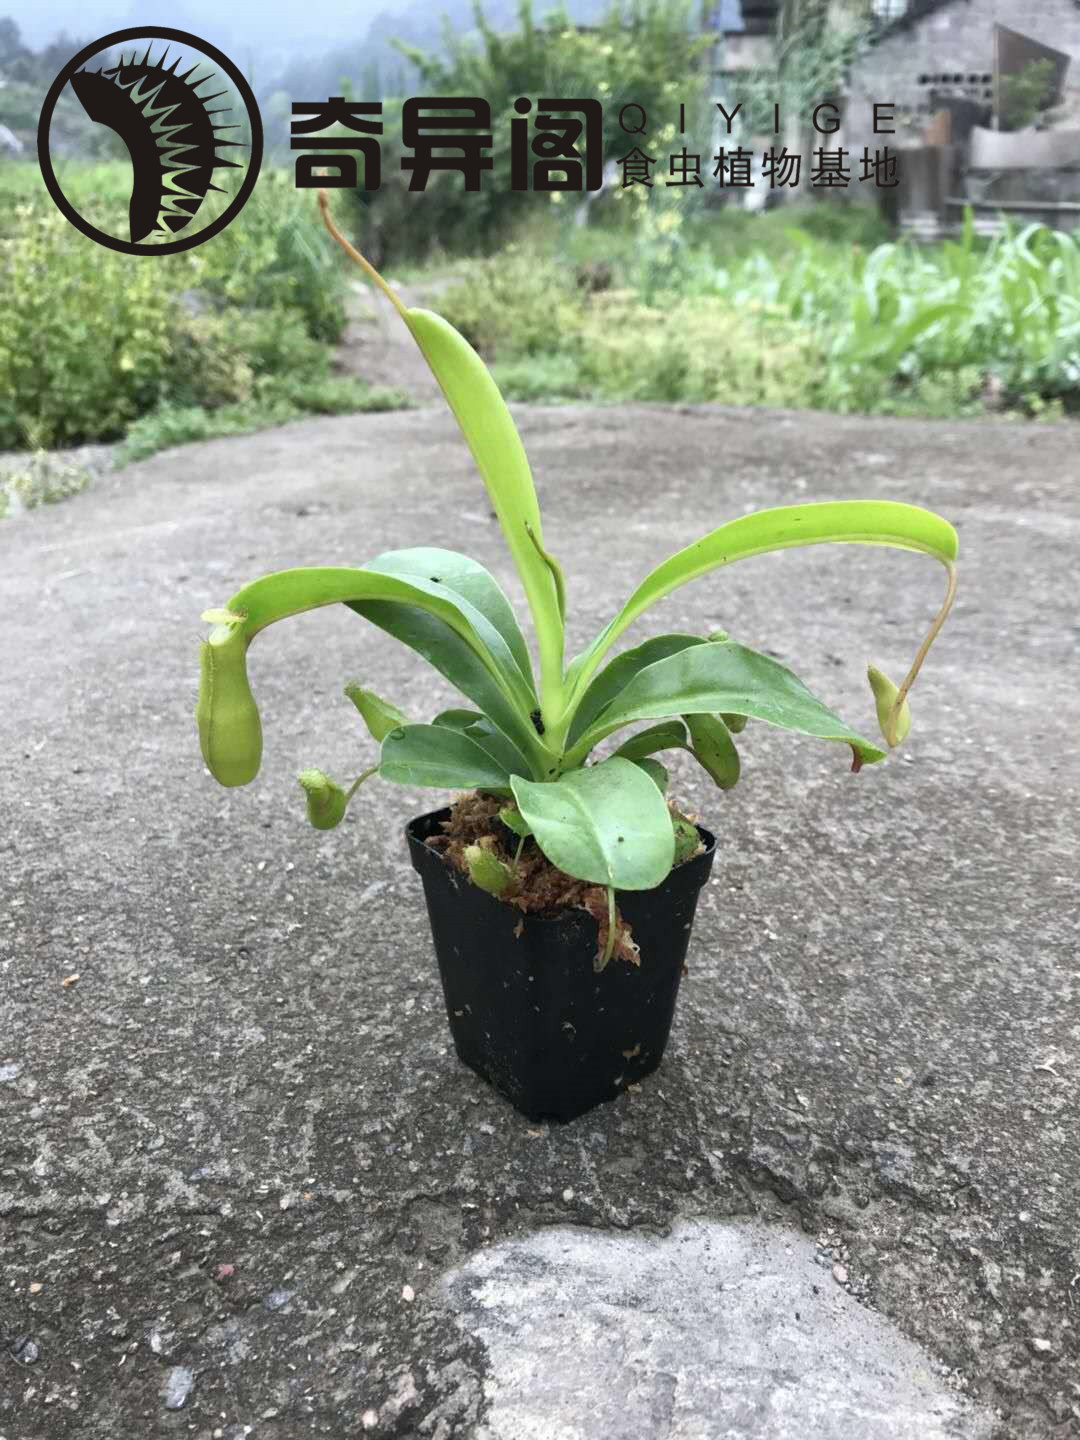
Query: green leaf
point(669, 735)
point(379, 716)
point(500, 457)
point(713, 748)
point(466, 578)
point(457, 719)
point(440, 759)
point(617, 674)
point(607, 825)
point(514, 820)
point(439, 644)
point(326, 800)
point(502, 750)
point(687, 839)
point(228, 719)
point(866, 522)
point(487, 736)
point(724, 677)
point(655, 771)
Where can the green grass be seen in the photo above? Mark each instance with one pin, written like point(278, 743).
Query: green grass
point(179, 425)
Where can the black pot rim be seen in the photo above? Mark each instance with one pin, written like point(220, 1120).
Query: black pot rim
point(418, 829)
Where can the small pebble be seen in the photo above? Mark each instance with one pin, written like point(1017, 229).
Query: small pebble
point(839, 1274)
point(408, 1294)
point(9, 1071)
point(568, 1194)
point(70, 980)
point(179, 1383)
point(369, 1419)
point(36, 1287)
point(25, 1350)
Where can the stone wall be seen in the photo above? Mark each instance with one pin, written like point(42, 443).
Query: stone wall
point(951, 51)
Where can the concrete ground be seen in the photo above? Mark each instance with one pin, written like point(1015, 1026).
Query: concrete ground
point(246, 1188)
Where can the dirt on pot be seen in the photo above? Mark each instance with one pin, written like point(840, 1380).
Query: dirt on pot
point(538, 887)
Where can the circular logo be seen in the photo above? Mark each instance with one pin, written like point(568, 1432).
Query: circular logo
point(178, 111)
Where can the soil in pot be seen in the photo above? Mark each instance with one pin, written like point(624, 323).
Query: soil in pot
point(527, 1009)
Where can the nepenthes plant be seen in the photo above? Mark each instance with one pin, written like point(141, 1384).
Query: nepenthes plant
point(531, 738)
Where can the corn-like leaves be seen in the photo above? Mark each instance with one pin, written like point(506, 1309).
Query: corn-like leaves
point(714, 677)
point(607, 825)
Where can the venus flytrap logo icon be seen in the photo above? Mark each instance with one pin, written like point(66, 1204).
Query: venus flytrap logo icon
point(177, 110)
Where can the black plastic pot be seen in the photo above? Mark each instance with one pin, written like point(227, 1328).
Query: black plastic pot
point(527, 1011)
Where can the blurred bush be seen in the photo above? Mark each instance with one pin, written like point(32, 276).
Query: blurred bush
point(93, 339)
point(653, 53)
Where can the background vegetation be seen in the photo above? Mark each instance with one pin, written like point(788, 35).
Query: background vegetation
point(660, 295)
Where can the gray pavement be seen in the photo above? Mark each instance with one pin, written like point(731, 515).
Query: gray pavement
point(244, 1181)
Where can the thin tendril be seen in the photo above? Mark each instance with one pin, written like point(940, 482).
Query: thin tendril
point(916, 664)
point(354, 254)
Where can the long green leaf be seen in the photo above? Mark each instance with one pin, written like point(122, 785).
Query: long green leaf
point(445, 649)
point(668, 735)
point(502, 750)
point(619, 672)
point(500, 457)
point(607, 825)
point(723, 676)
point(227, 716)
point(496, 447)
point(439, 758)
point(467, 578)
point(865, 522)
point(714, 750)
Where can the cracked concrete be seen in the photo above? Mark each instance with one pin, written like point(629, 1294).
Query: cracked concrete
point(235, 1146)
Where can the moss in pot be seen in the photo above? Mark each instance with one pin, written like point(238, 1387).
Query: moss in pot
point(561, 888)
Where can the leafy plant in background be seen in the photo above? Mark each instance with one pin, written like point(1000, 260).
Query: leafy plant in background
point(652, 53)
point(530, 740)
point(1025, 95)
point(95, 343)
point(804, 320)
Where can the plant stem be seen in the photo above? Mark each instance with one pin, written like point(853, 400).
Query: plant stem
point(609, 948)
point(359, 781)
